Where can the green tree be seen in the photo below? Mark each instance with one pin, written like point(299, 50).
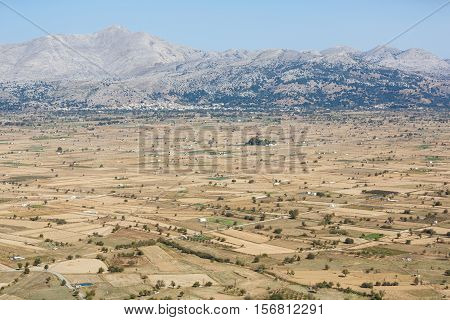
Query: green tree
point(349, 241)
point(37, 261)
point(160, 284)
point(310, 256)
point(293, 214)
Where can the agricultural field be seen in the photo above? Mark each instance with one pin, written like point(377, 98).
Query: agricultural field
point(315, 205)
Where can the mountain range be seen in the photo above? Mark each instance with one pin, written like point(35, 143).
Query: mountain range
point(117, 68)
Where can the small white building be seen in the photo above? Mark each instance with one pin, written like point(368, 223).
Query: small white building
point(17, 258)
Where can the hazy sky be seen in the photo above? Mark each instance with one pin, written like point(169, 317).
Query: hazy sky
point(257, 24)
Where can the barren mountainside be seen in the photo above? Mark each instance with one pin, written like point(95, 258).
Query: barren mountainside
point(116, 68)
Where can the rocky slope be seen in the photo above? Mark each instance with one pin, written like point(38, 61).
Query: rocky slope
point(119, 68)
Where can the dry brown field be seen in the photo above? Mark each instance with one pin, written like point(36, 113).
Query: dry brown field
point(326, 205)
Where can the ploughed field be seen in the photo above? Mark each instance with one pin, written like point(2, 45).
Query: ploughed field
point(350, 205)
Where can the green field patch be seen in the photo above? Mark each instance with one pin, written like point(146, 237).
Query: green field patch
point(223, 221)
point(36, 148)
point(382, 251)
point(123, 186)
point(219, 153)
point(15, 164)
point(203, 151)
point(373, 236)
point(419, 170)
point(200, 205)
point(434, 158)
point(423, 146)
point(44, 137)
point(200, 237)
point(37, 206)
point(208, 152)
point(363, 207)
point(26, 178)
point(218, 178)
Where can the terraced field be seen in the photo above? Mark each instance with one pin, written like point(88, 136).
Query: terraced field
point(338, 206)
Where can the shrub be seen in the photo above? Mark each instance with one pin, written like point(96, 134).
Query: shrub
point(367, 285)
point(115, 269)
point(311, 256)
point(293, 213)
point(349, 241)
point(277, 231)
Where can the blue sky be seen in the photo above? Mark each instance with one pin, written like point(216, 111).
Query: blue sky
point(220, 25)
